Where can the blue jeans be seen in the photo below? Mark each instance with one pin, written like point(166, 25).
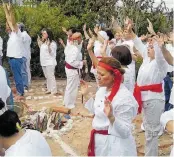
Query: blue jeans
point(10, 99)
point(16, 65)
point(24, 72)
point(168, 84)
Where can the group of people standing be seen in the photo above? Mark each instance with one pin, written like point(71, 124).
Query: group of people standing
point(120, 95)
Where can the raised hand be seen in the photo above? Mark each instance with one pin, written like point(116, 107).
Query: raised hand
point(96, 29)
point(64, 29)
point(150, 27)
point(159, 40)
point(84, 27)
point(61, 41)
point(90, 44)
point(107, 107)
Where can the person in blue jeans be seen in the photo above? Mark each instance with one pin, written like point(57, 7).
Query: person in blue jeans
point(14, 48)
point(168, 84)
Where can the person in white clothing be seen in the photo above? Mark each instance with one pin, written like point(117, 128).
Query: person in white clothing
point(5, 89)
point(167, 121)
point(27, 51)
point(72, 66)
point(48, 61)
point(14, 48)
point(1, 48)
point(17, 141)
point(114, 109)
point(148, 90)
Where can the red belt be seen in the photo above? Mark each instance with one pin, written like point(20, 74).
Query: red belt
point(68, 66)
point(138, 89)
point(99, 57)
point(91, 146)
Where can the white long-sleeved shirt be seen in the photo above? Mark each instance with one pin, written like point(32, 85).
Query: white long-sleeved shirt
point(170, 48)
point(1, 46)
point(26, 42)
point(129, 79)
point(165, 118)
point(72, 58)
point(32, 143)
point(4, 88)
point(124, 107)
point(151, 72)
point(48, 58)
point(15, 45)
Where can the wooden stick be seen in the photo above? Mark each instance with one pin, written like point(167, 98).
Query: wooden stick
point(61, 109)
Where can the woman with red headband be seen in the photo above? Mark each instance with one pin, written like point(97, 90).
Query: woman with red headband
point(72, 66)
point(149, 89)
point(114, 109)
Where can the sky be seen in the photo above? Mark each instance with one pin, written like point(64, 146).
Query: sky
point(169, 3)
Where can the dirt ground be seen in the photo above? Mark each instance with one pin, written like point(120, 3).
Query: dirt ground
point(76, 140)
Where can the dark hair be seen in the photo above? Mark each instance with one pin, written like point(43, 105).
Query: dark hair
point(122, 54)
point(114, 63)
point(8, 121)
point(50, 34)
point(110, 34)
point(74, 30)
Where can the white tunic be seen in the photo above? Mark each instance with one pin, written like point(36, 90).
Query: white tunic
point(14, 45)
point(132, 65)
point(26, 42)
point(151, 72)
point(1, 46)
point(72, 58)
point(120, 141)
point(129, 80)
point(165, 118)
point(4, 88)
point(48, 58)
point(170, 48)
point(32, 143)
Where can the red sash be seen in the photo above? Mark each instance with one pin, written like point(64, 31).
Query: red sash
point(68, 66)
point(91, 146)
point(137, 92)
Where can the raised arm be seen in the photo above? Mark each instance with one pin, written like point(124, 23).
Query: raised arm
point(91, 54)
point(10, 17)
point(85, 32)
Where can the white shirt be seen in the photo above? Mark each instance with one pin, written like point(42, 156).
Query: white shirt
point(4, 88)
point(26, 42)
point(170, 48)
point(72, 58)
point(124, 108)
point(165, 118)
point(151, 72)
point(32, 143)
point(1, 46)
point(14, 45)
point(48, 58)
point(132, 65)
point(129, 80)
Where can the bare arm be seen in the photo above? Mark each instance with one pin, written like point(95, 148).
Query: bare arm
point(85, 32)
point(169, 126)
point(168, 57)
point(91, 54)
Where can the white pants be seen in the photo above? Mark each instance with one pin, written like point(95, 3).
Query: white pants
point(28, 71)
point(109, 145)
point(71, 90)
point(152, 111)
point(50, 78)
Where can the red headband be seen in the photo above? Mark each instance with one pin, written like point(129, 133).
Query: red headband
point(117, 82)
point(72, 39)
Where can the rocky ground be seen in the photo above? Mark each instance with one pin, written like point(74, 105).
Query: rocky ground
point(75, 141)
